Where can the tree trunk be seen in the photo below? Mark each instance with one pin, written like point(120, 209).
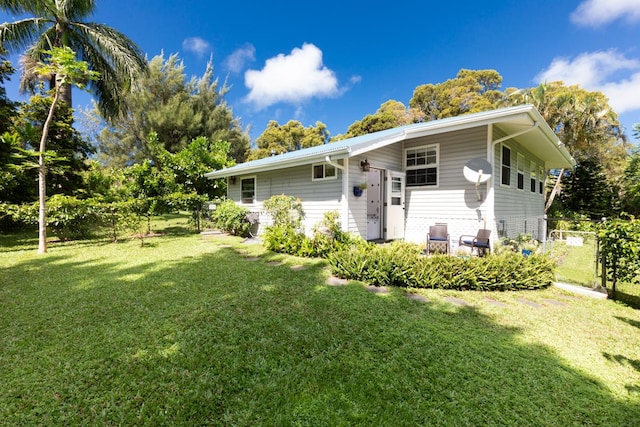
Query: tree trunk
point(42, 175)
point(552, 196)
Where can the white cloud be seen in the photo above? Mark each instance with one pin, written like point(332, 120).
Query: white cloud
point(196, 45)
point(609, 72)
point(593, 13)
point(237, 60)
point(292, 78)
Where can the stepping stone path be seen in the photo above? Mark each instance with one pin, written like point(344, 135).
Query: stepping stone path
point(377, 289)
point(416, 297)
point(252, 258)
point(457, 301)
point(529, 303)
point(553, 301)
point(274, 263)
point(336, 281)
point(496, 303)
point(298, 267)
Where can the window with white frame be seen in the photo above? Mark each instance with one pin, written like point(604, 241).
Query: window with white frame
point(421, 165)
point(248, 190)
point(534, 179)
point(505, 161)
point(323, 171)
point(520, 168)
point(542, 175)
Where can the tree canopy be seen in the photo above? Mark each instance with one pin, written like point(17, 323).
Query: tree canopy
point(471, 91)
point(176, 109)
point(391, 114)
point(113, 55)
point(278, 139)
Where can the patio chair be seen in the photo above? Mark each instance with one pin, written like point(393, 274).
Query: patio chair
point(438, 238)
point(480, 242)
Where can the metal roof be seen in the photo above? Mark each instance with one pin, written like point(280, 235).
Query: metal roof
point(523, 120)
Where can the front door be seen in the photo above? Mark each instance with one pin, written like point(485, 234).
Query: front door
point(394, 205)
point(374, 204)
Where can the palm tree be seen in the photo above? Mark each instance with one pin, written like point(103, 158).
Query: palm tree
point(58, 23)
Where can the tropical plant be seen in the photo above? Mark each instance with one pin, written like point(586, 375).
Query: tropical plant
point(62, 23)
point(67, 71)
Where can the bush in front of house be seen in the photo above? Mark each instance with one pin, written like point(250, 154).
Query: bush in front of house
point(231, 218)
point(401, 264)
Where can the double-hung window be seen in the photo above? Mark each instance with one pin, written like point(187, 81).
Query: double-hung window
point(534, 179)
point(248, 190)
point(505, 171)
point(323, 171)
point(520, 168)
point(421, 165)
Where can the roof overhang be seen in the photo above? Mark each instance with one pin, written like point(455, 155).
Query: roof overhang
point(523, 124)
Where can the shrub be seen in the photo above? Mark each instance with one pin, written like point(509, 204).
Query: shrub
point(285, 211)
point(401, 264)
point(231, 218)
point(620, 249)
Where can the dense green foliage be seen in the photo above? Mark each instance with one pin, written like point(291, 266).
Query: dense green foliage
point(278, 139)
point(620, 249)
point(58, 24)
point(232, 218)
point(391, 114)
point(401, 264)
point(176, 109)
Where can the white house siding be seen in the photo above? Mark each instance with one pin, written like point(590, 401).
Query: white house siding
point(386, 158)
point(453, 201)
point(317, 196)
point(517, 211)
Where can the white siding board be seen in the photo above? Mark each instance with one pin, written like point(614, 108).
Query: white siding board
point(517, 211)
point(454, 200)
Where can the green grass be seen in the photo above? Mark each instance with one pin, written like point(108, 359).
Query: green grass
point(576, 264)
point(186, 331)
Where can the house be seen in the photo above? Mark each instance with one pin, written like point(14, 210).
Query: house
point(416, 176)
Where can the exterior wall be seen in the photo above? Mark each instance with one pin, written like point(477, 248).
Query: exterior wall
point(517, 211)
point(386, 158)
point(316, 196)
point(453, 201)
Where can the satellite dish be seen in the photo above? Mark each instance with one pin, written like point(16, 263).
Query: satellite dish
point(477, 171)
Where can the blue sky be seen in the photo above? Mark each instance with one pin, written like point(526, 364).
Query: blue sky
point(337, 61)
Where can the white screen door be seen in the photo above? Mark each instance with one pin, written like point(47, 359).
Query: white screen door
point(394, 204)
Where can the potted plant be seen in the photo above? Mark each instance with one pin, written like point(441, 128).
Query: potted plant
point(358, 189)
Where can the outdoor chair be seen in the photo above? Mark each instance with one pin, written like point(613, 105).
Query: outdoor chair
point(438, 239)
point(480, 242)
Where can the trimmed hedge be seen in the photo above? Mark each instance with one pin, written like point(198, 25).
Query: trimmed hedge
point(401, 264)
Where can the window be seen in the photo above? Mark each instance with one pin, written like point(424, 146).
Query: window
point(505, 172)
point(396, 191)
point(520, 168)
point(248, 190)
point(322, 171)
point(421, 165)
point(534, 179)
point(542, 177)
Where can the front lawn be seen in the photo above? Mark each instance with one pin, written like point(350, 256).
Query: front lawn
point(188, 330)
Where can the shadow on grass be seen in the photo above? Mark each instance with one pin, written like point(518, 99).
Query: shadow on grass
point(630, 300)
point(194, 338)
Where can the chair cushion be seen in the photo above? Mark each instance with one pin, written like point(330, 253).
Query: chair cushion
point(481, 245)
point(438, 239)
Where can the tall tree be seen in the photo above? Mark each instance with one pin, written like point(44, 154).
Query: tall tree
point(584, 121)
point(292, 136)
point(61, 63)
point(471, 91)
point(391, 114)
point(64, 175)
point(62, 23)
point(176, 109)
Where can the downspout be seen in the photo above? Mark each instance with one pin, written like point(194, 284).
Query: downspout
point(344, 198)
